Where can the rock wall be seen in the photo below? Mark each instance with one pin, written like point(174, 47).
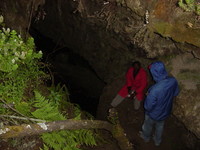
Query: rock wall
point(110, 34)
point(186, 69)
point(18, 14)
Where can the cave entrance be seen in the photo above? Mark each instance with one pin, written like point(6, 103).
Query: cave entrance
point(71, 69)
point(85, 86)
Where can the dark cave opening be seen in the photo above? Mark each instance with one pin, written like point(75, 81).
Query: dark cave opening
point(74, 71)
point(109, 35)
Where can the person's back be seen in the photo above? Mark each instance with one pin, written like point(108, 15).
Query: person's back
point(164, 91)
point(158, 103)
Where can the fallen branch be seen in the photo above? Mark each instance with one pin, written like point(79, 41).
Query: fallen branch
point(39, 128)
point(14, 109)
point(22, 118)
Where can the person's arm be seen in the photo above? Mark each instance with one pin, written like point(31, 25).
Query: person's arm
point(129, 89)
point(128, 80)
point(143, 83)
point(150, 101)
point(176, 90)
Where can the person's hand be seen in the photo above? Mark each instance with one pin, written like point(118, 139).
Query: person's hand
point(131, 95)
point(129, 90)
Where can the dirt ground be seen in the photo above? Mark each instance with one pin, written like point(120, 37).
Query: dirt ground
point(175, 135)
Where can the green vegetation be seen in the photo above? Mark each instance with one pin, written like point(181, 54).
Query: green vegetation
point(190, 5)
point(19, 70)
point(47, 109)
point(189, 74)
point(177, 32)
point(21, 79)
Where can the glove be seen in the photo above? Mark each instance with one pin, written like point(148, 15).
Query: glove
point(132, 96)
point(129, 90)
point(131, 93)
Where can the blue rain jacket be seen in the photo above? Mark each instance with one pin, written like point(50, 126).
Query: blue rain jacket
point(159, 100)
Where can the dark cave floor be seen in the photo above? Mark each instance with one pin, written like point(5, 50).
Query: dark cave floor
point(175, 135)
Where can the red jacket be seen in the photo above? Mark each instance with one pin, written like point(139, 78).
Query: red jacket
point(138, 84)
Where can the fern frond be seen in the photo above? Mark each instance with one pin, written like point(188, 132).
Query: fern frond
point(44, 147)
point(69, 140)
point(86, 137)
point(62, 140)
point(45, 109)
point(23, 107)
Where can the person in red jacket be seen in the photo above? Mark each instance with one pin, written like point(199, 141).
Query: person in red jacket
point(136, 82)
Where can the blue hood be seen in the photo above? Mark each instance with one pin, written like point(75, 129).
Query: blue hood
point(158, 71)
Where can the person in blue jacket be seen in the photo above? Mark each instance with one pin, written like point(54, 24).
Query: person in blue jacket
point(158, 102)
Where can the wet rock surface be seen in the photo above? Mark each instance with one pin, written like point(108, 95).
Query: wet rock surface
point(110, 35)
point(186, 69)
point(175, 135)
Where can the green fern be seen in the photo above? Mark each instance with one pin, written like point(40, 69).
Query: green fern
point(69, 140)
point(85, 137)
point(24, 108)
point(44, 147)
point(190, 5)
point(59, 95)
point(62, 140)
point(18, 69)
point(20, 75)
point(46, 109)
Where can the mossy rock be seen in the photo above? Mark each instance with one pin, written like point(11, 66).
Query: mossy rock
point(178, 32)
point(189, 74)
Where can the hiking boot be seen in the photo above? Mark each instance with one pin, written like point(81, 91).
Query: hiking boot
point(112, 112)
point(112, 115)
point(156, 143)
point(143, 137)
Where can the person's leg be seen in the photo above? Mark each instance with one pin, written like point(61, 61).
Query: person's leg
point(136, 104)
point(158, 132)
point(116, 101)
point(147, 128)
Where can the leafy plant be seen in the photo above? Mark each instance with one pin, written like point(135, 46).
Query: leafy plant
point(20, 77)
point(69, 140)
point(59, 94)
point(1, 19)
point(19, 70)
point(14, 52)
point(190, 5)
point(47, 109)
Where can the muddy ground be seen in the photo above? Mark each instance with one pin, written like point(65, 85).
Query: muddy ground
point(175, 135)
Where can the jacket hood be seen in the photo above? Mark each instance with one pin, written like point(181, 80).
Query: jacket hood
point(158, 71)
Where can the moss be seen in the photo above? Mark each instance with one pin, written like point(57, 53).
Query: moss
point(189, 5)
point(198, 86)
point(167, 60)
point(178, 32)
point(162, 28)
point(189, 74)
point(119, 134)
point(12, 130)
